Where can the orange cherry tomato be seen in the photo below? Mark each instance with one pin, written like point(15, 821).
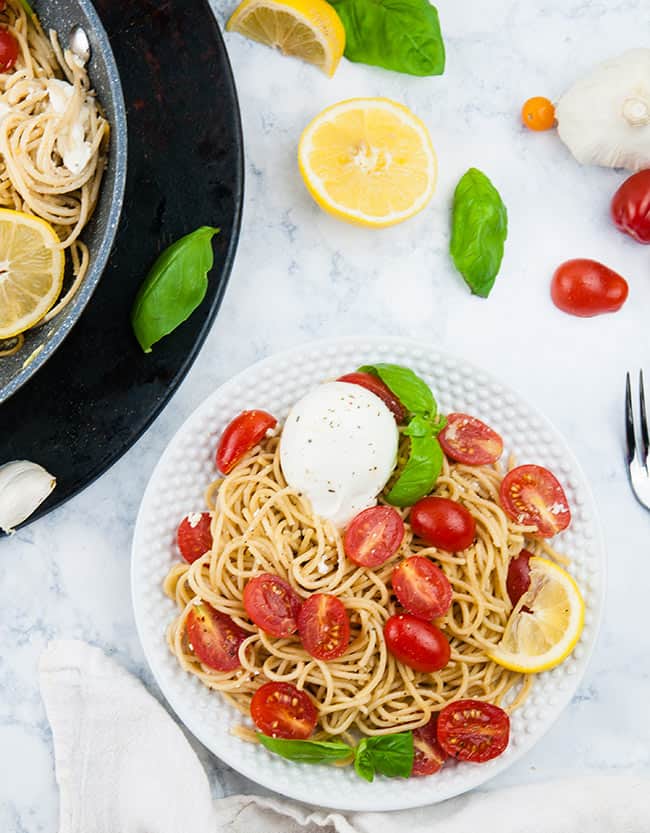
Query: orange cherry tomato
point(538, 113)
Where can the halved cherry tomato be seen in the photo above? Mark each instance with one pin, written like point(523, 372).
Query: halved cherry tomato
point(471, 730)
point(421, 587)
point(518, 581)
point(470, 441)
point(280, 710)
point(194, 537)
point(532, 496)
point(375, 385)
point(429, 755)
point(373, 536)
point(538, 113)
point(324, 626)
point(243, 434)
point(586, 288)
point(443, 523)
point(9, 50)
point(214, 637)
point(418, 644)
point(272, 604)
point(631, 206)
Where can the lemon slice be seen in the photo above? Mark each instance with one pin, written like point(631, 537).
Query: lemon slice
point(307, 29)
point(31, 271)
point(368, 161)
point(543, 638)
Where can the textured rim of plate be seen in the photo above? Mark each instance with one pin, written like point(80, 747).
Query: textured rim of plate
point(194, 704)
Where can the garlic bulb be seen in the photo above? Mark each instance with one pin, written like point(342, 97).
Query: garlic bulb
point(604, 119)
point(23, 487)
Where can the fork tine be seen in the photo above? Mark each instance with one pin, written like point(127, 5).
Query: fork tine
point(629, 421)
point(644, 421)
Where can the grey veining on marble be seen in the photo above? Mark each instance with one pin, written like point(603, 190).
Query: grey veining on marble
point(300, 274)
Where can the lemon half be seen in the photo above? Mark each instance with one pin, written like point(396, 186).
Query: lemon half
point(544, 637)
point(307, 29)
point(31, 271)
point(368, 161)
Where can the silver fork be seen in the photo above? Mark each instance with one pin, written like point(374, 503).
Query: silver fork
point(637, 453)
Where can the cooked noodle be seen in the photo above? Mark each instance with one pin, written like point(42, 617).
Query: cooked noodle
point(33, 176)
point(261, 525)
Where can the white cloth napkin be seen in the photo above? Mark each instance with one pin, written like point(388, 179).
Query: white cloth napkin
point(124, 766)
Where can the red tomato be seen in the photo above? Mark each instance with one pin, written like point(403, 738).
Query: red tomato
point(214, 637)
point(194, 537)
point(272, 604)
point(429, 755)
point(421, 588)
point(375, 385)
point(9, 50)
point(280, 710)
point(631, 206)
point(586, 288)
point(471, 730)
point(470, 441)
point(415, 643)
point(373, 536)
point(518, 580)
point(532, 496)
point(324, 626)
point(443, 523)
point(243, 434)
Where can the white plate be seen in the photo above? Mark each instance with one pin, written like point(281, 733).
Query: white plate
point(187, 466)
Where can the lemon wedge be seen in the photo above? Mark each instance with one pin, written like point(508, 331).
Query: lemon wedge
point(368, 161)
point(31, 271)
point(307, 29)
point(546, 623)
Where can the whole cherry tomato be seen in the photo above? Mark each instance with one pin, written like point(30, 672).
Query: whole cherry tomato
point(518, 580)
point(416, 643)
point(9, 50)
point(538, 113)
point(631, 206)
point(375, 385)
point(443, 523)
point(586, 288)
point(242, 435)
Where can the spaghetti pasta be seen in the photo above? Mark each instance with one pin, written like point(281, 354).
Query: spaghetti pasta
point(53, 139)
point(260, 525)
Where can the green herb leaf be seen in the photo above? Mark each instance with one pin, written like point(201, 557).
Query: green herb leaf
point(307, 751)
point(28, 8)
point(479, 231)
point(390, 755)
point(402, 35)
point(422, 468)
point(412, 392)
point(174, 287)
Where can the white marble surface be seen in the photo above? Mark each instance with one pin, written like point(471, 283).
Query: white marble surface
point(300, 274)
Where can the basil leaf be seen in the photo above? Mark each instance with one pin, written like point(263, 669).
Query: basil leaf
point(412, 392)
point(307, 751)
point(479, 230)
point(420, 472)
point(402, 35)
point(390, 755)
point(174, 287)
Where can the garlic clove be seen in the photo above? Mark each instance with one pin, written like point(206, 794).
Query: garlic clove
point(23, 487)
